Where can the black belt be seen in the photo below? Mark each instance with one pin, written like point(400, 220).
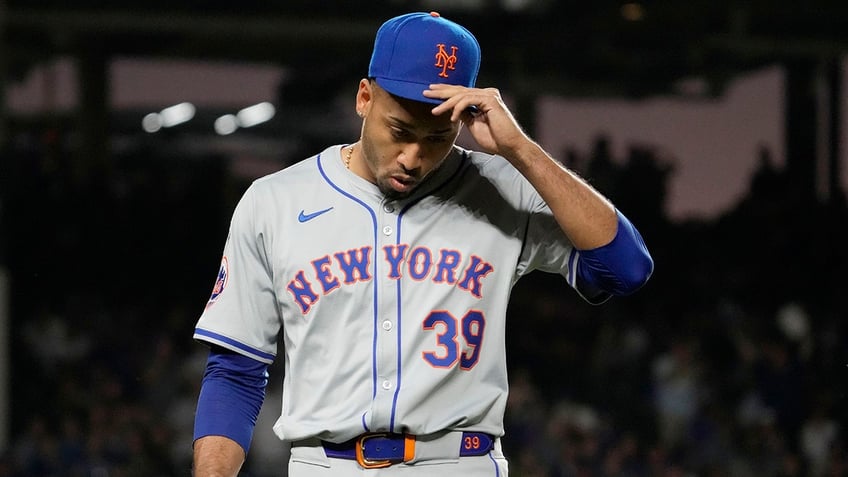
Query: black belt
point(382, 449)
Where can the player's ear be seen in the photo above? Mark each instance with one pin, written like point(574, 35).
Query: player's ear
point(364, 96)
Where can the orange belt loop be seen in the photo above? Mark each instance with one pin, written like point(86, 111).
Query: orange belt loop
point(408, 447)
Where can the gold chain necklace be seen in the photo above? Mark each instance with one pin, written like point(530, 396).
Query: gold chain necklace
point(347, 157)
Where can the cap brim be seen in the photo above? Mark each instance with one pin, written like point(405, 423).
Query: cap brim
point(407, 89)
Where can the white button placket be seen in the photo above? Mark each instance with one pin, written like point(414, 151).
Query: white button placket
point(386, 326)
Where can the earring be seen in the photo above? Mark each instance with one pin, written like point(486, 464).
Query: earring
point(359, 113)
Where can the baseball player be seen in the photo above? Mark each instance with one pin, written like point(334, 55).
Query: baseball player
point(383, 268)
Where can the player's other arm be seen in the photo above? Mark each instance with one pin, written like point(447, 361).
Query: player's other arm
point(613, 255)
point(217, 456)
point(586, 217)
point(617, 261)
point(231, 396)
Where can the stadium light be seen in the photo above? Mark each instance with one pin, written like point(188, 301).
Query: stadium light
point(177, 114)
point(226, 124)
point(168, 117)
point(256, 114)
point(152, 122)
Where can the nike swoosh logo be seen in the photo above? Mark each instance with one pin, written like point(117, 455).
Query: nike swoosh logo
point(304, 217)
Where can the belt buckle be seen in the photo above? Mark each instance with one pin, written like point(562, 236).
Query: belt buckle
point(408, 451)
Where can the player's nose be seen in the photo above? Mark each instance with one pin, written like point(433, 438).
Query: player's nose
point(412, 156)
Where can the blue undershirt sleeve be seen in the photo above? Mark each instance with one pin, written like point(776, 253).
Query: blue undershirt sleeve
point(620, 267)
point(231, 395)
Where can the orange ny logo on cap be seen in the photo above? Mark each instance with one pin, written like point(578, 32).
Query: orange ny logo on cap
point(444, 61)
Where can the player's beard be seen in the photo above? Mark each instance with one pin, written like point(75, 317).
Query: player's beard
point(385, 182)
point(385, 178)
point(391, 193)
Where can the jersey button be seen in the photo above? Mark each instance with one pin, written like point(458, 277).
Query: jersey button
point(387, 385)
point(387, 325)
point(389, 208)
point(387, 230)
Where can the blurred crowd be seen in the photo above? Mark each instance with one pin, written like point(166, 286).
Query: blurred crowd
point(730, 362)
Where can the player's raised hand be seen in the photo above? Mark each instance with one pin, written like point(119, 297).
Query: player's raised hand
point(485, 115)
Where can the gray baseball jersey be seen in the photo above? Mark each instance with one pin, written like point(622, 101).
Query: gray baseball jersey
point(392, 312)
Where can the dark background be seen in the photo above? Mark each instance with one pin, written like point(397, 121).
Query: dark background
point(731, 361)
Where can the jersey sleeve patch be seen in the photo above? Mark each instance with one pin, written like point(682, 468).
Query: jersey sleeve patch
point(220, 282)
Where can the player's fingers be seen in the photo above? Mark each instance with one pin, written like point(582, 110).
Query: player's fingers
point(455, 106)
point(465, 105)
point(443, 91)
point(452, 95)
point(439, 92)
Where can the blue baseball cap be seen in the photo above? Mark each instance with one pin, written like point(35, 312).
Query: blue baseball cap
point(415, 50)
